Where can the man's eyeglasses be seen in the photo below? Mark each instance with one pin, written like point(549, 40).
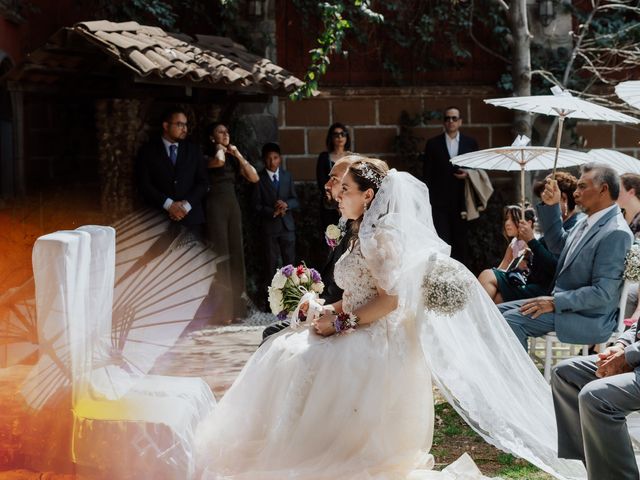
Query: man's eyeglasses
point(451, 119)
point(339, 134)
point(179, 124)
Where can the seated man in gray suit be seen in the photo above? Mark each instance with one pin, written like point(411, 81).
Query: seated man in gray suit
point(583, 306)
point(592, 397)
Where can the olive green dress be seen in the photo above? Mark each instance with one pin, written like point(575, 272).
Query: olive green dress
point(224, 232)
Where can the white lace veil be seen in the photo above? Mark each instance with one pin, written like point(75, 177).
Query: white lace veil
point(474, 357)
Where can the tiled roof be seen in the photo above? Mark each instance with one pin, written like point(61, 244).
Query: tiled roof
point(152, 53)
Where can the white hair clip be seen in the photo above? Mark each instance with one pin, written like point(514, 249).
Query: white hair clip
point(371, 175)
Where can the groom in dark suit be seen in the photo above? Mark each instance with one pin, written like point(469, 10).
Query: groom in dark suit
point(331, 293)
point(273, 198)
point(446, 182)
point(171, 173)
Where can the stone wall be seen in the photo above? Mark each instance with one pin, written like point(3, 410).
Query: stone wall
point(373, 116)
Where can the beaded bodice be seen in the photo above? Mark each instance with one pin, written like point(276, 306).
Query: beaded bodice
point(352, 275)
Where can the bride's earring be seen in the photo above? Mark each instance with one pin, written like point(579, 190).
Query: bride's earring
point(366, 206)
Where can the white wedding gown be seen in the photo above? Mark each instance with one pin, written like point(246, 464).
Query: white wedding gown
point(359, 405)
point(351, 406)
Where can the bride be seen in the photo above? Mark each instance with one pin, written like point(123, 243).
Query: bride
point(349, 396)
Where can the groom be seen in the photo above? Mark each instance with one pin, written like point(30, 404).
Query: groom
point(332, 293)
point(592, 397)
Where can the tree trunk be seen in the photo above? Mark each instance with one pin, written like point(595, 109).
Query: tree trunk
point(521, 57)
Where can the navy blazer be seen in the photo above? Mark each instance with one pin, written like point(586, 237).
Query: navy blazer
point(159, 179)
point(445, 190)
point(264, 197)
point(587, 283)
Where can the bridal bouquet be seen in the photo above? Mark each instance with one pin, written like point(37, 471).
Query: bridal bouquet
point(632, 264)
point(290, 288)
point(446, 287)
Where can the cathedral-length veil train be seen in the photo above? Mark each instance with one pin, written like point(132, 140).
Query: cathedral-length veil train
point(359, 406)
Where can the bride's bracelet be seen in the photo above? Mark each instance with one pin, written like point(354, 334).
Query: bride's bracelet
point(345, 322)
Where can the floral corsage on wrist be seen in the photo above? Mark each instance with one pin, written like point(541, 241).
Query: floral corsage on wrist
point(345, 322)
point(333, 234)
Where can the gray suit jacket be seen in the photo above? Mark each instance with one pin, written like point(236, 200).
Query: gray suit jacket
point(587, 283)
point(631, 341)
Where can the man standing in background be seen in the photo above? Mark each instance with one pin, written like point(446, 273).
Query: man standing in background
point(446, 182)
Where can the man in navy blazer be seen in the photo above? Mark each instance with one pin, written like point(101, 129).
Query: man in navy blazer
point(583, 307)
point(273, 198)
point(446, 182)
point(172, 175)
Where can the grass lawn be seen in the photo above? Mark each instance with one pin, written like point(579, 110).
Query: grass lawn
point(453, 437)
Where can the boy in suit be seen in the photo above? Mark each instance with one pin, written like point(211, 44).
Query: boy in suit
point(273, 198)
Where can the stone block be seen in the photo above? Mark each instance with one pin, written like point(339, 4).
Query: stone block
point(361, 111)
point(480, 112)
point(292, 141)
point(301, 168)
point(316, 138)
point(374, 140)
point(595, 135)
point(307, 113)
point(502, 136)
point(390, 108)
point(627, 136)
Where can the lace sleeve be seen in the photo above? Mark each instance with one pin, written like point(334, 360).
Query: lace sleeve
point(397, 236)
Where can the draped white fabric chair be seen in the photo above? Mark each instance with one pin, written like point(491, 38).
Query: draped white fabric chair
point(126, 425)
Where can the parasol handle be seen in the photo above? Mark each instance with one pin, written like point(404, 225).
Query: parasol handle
point(558, 140)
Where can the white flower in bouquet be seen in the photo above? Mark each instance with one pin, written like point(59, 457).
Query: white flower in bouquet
point(279, 280)
point(304, 278)
point(447, 287)
point(632, 264)
point(276, 300)
point(317, 287)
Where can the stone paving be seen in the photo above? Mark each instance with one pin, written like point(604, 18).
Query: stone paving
point(215, 354)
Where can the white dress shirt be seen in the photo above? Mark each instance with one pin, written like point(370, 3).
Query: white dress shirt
point(169, 201)
point(452, 144)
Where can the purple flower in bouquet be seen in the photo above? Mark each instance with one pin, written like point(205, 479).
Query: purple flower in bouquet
point(315, 275)
point(287, 270)
point(282, 315)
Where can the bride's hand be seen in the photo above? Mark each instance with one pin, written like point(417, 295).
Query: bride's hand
point(324, 325)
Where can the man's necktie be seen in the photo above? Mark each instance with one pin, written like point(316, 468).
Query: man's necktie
point(173, 153)
point(576, 239)
point(276, 183)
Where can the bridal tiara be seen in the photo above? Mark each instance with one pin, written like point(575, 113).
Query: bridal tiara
point(371, 175)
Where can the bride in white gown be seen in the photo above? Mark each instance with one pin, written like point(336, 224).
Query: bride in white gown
point(313, 404)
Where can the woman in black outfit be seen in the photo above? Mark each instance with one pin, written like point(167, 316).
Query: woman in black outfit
point(226, 167)
point(338, 143)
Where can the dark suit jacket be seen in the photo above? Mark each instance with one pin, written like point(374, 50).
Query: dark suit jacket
point(265, 196)
point(445, 190)
point(158, 179)
point(332, 292)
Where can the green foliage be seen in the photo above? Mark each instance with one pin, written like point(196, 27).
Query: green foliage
point(329, 41)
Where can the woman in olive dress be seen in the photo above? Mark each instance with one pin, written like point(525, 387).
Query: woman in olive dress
point(226, 167)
